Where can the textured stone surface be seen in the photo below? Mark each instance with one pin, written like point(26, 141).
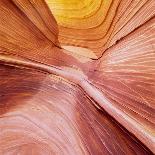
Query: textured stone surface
point(77, 77)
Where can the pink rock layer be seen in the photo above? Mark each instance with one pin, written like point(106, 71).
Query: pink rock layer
point(57, 101)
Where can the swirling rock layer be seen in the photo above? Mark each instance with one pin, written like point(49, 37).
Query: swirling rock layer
point(98, 24)
point(81, 84)
point(43, 115)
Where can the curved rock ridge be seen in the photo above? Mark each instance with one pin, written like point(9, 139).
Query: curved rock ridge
point(126, 76)
point(80, 84)
point(41, 114)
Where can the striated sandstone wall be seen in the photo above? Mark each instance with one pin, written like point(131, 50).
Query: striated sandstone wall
point(77, 77)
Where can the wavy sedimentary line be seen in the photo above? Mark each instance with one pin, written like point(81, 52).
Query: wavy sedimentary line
point(95, 94)
point(125, 74)
point(42, 114)
point(25, 26)
point(31, 32)
point(109, 23)
point(42, 17)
